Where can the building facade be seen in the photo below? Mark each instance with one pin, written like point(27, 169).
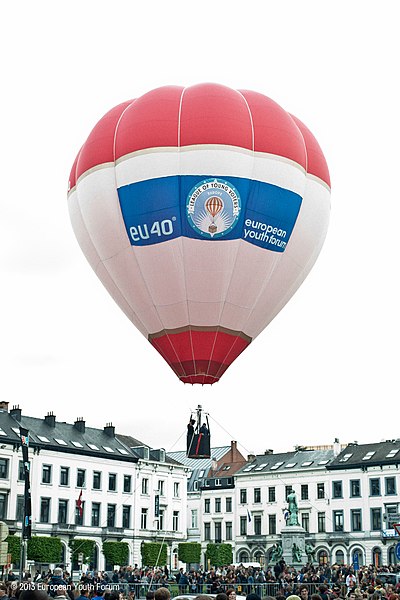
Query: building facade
point(348, 500)
point(93, 484)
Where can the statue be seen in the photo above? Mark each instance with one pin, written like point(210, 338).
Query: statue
point(293, 509)
point(310, 551)
point(296, 553)
point(277, 553)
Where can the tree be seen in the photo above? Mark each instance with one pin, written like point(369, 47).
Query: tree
point(154, 554)
point(116, 553)
point(219, 554)
point(189, 552)
point(82, 546)
point(14, 548)
point(44, 549)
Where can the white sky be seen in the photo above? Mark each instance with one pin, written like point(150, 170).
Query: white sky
point(328, 365)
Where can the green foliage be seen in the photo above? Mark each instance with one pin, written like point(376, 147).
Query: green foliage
point(189, 552)
point(154, 554)
point(219, 554)
point(86, 547)
point(116, 553)
point(43, 549)
point(14, 547)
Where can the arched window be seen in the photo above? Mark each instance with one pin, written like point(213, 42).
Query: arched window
point(376, 557)
point(244, 557)
point(339, 557)
point(259, 557)
point(391, 556)
point(322, 557)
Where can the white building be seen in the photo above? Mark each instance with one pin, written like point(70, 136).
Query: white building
point(129, 492)
point(348, 499)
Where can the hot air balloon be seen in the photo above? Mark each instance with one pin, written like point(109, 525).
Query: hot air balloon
point(201, 210)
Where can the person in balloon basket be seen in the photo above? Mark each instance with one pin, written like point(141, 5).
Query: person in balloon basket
point(190, 434)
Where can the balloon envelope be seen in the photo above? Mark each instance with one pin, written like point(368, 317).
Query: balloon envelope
point(201, 210)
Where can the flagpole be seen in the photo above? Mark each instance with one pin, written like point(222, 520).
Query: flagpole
point(26, 524)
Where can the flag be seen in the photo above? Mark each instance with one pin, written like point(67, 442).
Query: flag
point(79, 504)
point(248, 516)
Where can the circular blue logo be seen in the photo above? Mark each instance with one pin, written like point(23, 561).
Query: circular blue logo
point(213, 207)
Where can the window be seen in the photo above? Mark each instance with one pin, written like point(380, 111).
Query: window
point(21, 471)
point(44, 510)
point(288, 490)
point(228, 530)
point(143, 519)
point(217, 505)
point(272, 524)
point(257, 495)
point(355, 488)
point(218, 532)
point(175, 520)
point(207, 502)
point(217, 483)
point(111, 512)
point(145, 488)
point(321, 522)
point(46, 474)
point(95, 514)
point(80, 478)
point(271, 494)
point(127, 483)
point(257, 525)
point(243, 496)
point(390, 486)
point(374, 487)
point(176, 489)
point(355, 516)
point(3, 468)
point(96, 480)
point(337, 489)
point(207, 532)
point(63, 511)
point(376, 519)
point(337, 520)
point(161, 487)
point(305, 521)
point(320, 491)
point(112, 482)
point(126, 516)
point(3, 506)
point(228, 505)
point(243, 525)
point(160, 522)
point(304, 492)
point(64, 475)
point(194, 519)
point(79, 514)
point(19, 511)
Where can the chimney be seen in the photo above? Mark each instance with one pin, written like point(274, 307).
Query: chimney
point(4, 405)
point(50, 419)
point(109, 430)
point(268, 451)
point(16, 413)
point(336, 447)
point(250, 457)
point(233, 451)
point(80, 425)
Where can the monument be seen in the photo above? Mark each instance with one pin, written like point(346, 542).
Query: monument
point(293, 535)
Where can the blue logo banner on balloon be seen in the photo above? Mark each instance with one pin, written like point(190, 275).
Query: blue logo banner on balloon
point(211, 208)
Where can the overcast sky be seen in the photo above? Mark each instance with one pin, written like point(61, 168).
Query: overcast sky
point(328, 365)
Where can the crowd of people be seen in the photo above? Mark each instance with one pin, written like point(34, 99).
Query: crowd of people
point(279, 582)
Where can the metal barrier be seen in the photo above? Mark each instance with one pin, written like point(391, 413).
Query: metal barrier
point(242, 589)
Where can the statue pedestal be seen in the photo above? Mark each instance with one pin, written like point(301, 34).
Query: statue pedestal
point(293, 534)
